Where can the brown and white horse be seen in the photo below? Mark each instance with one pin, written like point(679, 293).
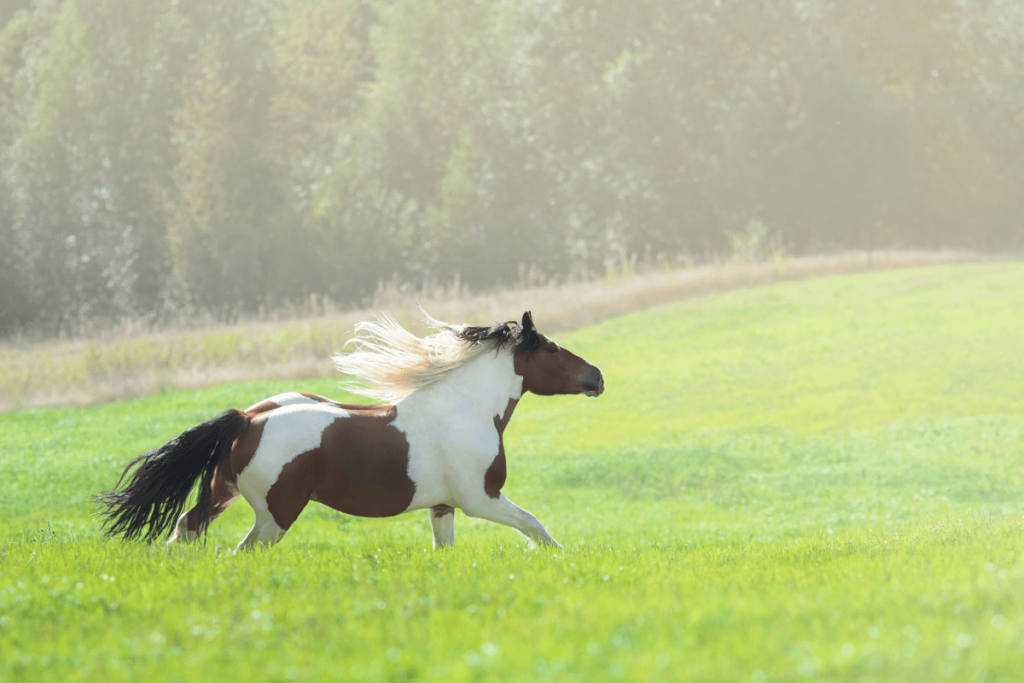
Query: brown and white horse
point(436, 446)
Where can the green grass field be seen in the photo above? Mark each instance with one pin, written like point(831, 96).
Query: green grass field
point(819, 480)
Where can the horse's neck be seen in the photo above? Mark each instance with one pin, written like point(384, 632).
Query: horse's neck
point(482, 388)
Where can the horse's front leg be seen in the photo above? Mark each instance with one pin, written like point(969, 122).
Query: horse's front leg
point(442, 523)
point(504, 511)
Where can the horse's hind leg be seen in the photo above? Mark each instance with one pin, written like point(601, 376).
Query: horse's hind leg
point(442, 523)
point(224, 494)
point(278, 509)
point(264, 532)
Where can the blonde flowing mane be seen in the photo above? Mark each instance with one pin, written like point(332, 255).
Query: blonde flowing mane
point(393, 362)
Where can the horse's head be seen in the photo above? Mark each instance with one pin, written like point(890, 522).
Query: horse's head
point(548, 369)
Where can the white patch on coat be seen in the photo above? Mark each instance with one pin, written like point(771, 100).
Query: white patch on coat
point(293, 398)
point(450, 428)
point(289, 432)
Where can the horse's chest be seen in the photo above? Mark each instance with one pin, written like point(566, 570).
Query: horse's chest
point(477, 458)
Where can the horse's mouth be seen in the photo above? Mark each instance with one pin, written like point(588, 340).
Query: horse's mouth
point(592, 390)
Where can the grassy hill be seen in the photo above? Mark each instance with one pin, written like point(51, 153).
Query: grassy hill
point(813, 480)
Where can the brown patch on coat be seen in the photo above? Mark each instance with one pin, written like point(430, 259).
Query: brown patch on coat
point(291, 492)
point(361, 467)
point(244, 448)
point(361, 408)
point(442, 510)
point(264, 406)
point(494, 477)
point(501, 421)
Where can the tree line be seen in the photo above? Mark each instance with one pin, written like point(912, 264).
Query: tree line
point(223, 157)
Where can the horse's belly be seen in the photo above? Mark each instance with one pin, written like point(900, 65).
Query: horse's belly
point(384, 496)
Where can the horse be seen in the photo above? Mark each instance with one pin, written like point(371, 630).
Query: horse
point(437, 444)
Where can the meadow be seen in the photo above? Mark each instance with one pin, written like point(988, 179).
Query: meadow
point(812, 480)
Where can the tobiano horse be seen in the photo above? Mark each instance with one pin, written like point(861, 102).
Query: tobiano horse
point(436, 445)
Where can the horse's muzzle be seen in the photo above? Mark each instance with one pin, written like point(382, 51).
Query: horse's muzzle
point(593, 383)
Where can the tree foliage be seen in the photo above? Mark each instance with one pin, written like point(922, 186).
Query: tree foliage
point(167, 159)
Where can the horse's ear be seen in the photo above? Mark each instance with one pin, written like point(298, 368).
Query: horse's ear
point(528, 333)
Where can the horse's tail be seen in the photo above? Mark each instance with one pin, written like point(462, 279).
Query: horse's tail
point(163, 478)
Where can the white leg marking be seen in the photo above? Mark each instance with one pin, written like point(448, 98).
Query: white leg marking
point(264, 532)
point(182, 534)
point(504, 511)
point(443, 528)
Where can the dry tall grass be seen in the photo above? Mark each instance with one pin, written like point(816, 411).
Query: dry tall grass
point(131, 363)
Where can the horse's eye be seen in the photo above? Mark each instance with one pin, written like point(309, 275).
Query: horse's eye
point(553, 349)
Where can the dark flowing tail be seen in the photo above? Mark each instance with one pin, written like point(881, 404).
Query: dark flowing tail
point(163, 478)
